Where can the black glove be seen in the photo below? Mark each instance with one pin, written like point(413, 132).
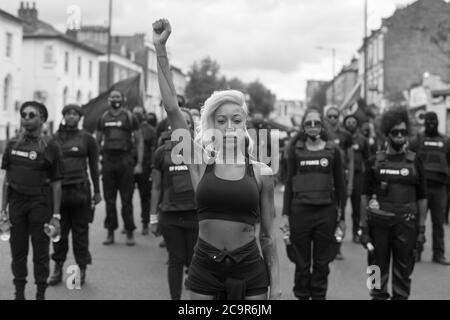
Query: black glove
point(365, 237)
point(420, 239)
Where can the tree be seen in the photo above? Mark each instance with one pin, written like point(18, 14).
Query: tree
point(203, 81)
point(205, 78)
point(237, 84)
point(262, 100)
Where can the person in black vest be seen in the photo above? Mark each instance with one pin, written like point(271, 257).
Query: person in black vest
point(434, 150)
point(393, 208)
point(31, 189)
point(79, 148)
point(174, 195)
point(115, 131)
point(143, 180)
point(343, 140)
point(314, 200)
point(361, 155)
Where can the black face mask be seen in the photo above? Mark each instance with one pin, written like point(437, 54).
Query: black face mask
point(431, 128)
point(396, 146)
point(140, 118)
point(313, 137)
point(366, 133)
point(351, 129)
point(116, 104)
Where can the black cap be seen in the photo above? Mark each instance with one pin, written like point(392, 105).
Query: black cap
point(74, 107)
point(430, 116)
point(42, 109)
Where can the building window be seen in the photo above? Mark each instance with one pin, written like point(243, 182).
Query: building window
point(89, 96)
point(79, 97)
point(65, 95)
point(48, 54)
point(90, 69)
point(7, 92)
point(9, 40)
point(79, 66)
point(66, 62)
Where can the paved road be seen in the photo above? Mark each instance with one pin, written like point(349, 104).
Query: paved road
point(121, 273)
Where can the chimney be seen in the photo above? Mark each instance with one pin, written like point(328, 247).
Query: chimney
point(28, 14)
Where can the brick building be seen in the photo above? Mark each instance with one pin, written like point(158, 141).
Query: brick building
point(411, 42)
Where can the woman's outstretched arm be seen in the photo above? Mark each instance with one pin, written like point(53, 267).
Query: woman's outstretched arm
point(161, 33)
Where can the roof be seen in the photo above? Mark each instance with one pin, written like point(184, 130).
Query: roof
point(10, 17)
point(44, 30)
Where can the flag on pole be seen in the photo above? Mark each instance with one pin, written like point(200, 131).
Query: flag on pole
point(132, 91)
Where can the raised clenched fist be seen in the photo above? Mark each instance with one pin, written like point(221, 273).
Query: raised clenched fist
point(161, 31)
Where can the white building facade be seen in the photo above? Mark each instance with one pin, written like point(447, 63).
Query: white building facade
point(10, 75)
point(58, 72)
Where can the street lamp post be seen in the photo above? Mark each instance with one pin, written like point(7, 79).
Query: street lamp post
point(333, 70)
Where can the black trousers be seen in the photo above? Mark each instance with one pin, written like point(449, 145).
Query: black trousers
point(144, 186)
point(28, 215)
point(356, 200)
point(312, 230)
point(180, 231)
point(75, 219)
point(397, 241)
point(437, 203)
point(118, 175)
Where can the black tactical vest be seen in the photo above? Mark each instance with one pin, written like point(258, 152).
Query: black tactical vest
point(177, 190)
point(313, 183)
point(433, 152)
point(28, 168)
point(75, 153)
point(358, 148)
point(118, 131)
point(396, 183)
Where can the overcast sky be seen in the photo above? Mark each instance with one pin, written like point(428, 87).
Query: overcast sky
point(274, 41)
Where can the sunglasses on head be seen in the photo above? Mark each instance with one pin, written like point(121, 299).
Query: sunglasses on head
point(396, 132)
point(313, 123)
point(29, 115)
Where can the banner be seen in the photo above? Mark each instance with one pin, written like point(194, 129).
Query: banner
point(94, 109)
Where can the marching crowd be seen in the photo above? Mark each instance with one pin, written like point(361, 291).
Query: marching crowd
point(217, 216)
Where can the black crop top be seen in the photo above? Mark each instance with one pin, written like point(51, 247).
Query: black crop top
point(228, 199)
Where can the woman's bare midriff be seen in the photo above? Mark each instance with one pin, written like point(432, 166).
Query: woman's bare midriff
point(223, 234)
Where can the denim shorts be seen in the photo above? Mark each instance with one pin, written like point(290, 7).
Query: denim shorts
point(232, 274)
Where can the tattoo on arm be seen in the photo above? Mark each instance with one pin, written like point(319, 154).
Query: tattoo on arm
point(248, 229)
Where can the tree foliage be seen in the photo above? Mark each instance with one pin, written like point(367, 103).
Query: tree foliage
point(205, 78)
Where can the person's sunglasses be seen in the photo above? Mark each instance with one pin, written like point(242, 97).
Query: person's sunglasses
point(29, 115)
point(332, 116)
point(313, 123)
point(396, 132)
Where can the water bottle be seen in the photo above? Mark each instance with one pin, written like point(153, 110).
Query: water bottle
point(286, 238)
point(339, 234)
point(373, 203)
point(50, 231)
point(5, 227)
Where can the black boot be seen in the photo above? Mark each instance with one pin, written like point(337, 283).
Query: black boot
point(82, 274)
point(40, 293)
point(130, 239)
point(20, 293)
point(56, 277)
point(109, 238)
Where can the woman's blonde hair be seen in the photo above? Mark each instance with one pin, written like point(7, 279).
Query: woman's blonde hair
point(212, 104)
